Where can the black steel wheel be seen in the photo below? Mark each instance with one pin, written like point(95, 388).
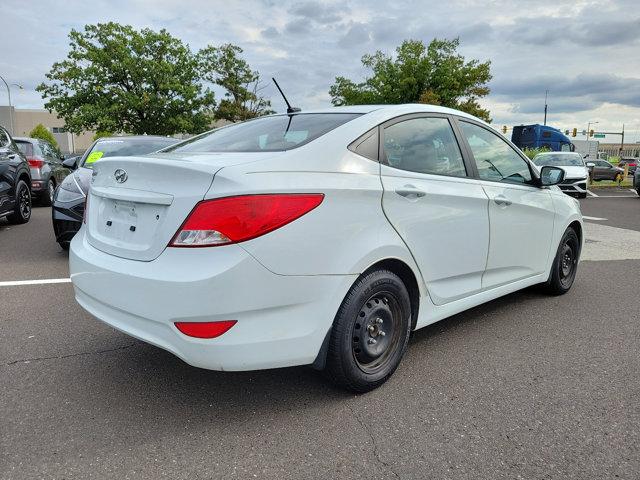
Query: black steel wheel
point(22, 210)
point(370, 333)
point(565, 264)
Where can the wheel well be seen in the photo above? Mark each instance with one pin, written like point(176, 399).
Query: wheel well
point(25, 178)
point(408, 278)
point(577, 228)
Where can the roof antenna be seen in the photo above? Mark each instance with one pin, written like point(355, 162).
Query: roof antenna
point(290, 110)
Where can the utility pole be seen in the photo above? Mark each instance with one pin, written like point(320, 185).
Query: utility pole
point(546, 93)
point(10, 107)
point(622, 142)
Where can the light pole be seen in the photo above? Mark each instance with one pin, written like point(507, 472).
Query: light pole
point(546, 93)
point(10, 106)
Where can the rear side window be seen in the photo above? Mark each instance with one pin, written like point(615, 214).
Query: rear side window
point(423, 145)
point(266, 134)
point(496, 159)
point(25, 147)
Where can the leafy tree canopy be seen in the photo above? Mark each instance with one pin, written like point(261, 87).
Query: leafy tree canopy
point(224, 66)
point(436, 74)
point(118, 79)
point(43, 133)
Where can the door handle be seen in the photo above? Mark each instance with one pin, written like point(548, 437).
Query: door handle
point(410, 191)
point(502, 200)
point(12, 156)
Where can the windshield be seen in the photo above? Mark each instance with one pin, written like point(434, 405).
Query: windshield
point(124, 147)
point(559, 160)
point(266, 134)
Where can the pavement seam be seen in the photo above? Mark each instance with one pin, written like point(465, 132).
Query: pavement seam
point(376, 452)
point(80, 354)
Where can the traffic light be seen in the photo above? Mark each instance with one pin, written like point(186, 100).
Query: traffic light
point(591, 132)
point(504, 129)
point(574, 132)
point(566, 132)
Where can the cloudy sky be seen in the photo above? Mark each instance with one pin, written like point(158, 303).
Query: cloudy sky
point(586, 53)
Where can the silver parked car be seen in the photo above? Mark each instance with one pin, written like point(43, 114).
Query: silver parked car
point(45, 163)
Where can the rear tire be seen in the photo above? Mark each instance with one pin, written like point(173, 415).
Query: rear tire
point(370, 333)
point(64, 245)
point(22, 210)
point(46, 198)
point(565, 264)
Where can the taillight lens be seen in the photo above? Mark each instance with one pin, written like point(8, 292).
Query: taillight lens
point(236, 219)
point(205, 329)
point(35, 162)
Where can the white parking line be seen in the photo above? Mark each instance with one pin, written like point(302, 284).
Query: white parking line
point(34, 282)
point(591, 193)
point(632, 190)
point(593, 218)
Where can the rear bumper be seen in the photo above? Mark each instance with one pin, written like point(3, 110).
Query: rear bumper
point(574, 186)
point(281, 320)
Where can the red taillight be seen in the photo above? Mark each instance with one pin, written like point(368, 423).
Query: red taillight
point(236, 219)
point(35, 162)
point(205, 329)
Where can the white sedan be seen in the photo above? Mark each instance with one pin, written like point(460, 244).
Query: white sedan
point(321, 237)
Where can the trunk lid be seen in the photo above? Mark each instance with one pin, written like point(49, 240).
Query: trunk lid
point(136, 204)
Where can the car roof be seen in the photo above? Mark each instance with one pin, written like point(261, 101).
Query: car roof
point(28, 139)
point(400, 109)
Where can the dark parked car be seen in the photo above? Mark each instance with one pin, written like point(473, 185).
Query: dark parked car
point(47, 170)
point(636, 180)
point(603, 170)
point(68, 202)
point(632, 162)
point(15, 179)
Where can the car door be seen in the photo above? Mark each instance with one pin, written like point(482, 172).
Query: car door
point(52, 160)
point(437, 209)
point(521, 215)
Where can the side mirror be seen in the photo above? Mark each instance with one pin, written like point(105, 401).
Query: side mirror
point(551, 175)
point(71, 163)
point(591, 164)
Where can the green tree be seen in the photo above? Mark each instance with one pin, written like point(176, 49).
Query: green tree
point(436, 74)
point(119, 79)
point(43, 133)
point(101, 134)
point(225, 67)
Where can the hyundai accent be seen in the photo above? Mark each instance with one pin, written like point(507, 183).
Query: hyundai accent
point(319, 238)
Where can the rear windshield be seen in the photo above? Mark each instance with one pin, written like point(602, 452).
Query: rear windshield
point(559, 160)
point(266, 134)
point(25, 147)
point(122, 147)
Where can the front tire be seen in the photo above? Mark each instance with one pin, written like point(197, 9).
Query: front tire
point(370, 333)
point(22, 210)
point(565, 264)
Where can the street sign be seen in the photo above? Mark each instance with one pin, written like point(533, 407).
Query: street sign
point(599, 135)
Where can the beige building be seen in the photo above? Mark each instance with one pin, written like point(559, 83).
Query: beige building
point(613, 149)
point(24, 120)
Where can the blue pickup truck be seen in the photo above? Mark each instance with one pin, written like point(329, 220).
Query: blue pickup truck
point(538, 136)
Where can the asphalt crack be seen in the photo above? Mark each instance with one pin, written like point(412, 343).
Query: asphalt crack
point(376, 452)
point(79, 354)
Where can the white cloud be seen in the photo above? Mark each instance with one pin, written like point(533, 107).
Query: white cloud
point(584, 52)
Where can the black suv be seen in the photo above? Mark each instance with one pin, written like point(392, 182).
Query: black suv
point(15, 181)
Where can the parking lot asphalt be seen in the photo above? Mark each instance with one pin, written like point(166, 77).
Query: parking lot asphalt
point(527, 386)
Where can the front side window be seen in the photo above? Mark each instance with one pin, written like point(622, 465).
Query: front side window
point(423, 145)
point(267, 134)
point(496, 160)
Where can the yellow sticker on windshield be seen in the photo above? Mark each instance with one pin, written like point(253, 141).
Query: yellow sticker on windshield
point(94, 157)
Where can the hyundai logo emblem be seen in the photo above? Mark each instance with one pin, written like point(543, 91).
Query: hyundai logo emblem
point(120, 175)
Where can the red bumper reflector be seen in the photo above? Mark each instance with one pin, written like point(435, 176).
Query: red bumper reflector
point(205, 329)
